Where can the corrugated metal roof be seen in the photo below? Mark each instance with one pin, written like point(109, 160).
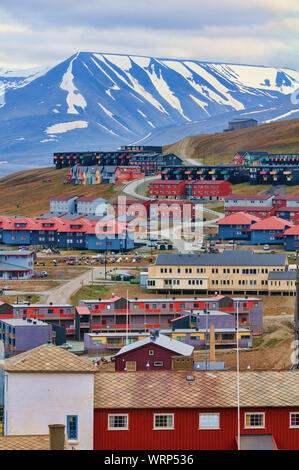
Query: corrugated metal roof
point(161, 340)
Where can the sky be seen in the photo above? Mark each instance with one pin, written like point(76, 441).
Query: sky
point(45, 32)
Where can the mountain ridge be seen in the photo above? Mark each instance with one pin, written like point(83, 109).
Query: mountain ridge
point(98, 101)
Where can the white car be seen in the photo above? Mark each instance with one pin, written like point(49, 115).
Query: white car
point(266, 247)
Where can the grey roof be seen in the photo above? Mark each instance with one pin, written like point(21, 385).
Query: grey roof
point(203, 313)
point(282, 275)
point(42, 305)
point(11, 267)
point(161, 340)
point(21, 322)
point(15, 252)
point(257, 442)
point(227, 258)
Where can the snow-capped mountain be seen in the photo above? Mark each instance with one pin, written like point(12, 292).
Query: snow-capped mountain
point(97, 101)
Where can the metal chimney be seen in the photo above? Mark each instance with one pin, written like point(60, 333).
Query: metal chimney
point(57, 436)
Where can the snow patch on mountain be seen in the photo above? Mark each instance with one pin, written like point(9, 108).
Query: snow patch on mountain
point(66, 126)
point(74, 98)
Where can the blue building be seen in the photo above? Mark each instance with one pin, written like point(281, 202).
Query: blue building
point(269, 231)
point(291, 238)
point(16, 264)
point(236, 226)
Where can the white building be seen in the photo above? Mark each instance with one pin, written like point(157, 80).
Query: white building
point(91, 206)
point(49, 385)
point(243, 200)
point(63, 204)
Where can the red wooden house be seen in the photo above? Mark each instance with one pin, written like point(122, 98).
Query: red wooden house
point(151, 353)
point(196, 410)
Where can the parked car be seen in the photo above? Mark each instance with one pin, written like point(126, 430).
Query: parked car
point(266, 247)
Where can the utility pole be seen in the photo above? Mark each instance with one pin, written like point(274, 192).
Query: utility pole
point(296, 316)
point(238, 378)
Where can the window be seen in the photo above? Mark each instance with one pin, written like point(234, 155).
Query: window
point(254, 420)
point(208, 421)
point(72, 427)
point(163, 421)
point(158, 363)
point(151, 352)
point(118, 422)
point(131, 366)
point(294, 420)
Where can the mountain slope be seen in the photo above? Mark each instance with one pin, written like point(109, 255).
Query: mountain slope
point(220, 148)
point(100, 101)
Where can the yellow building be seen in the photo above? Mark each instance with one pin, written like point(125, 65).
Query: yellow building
point(232, 272)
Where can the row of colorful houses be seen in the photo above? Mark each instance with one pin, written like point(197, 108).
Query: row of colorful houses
point(182, 318)
point(79, 233)
point(253, 230)
point(87, 175)
point(147, 410)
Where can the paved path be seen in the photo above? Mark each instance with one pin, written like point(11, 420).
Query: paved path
point(62, 294)
point(130, 188)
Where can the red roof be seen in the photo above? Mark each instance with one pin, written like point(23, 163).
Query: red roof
point(239, 218)
point(87, 198)
point(62, 198)
point(292, 231)
point(162, 182)
point(82, 310)
point(272, 223)
point(257, 197)
point(287, 209)
point(286, 197)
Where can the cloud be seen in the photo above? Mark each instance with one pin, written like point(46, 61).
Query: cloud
point(262, 32)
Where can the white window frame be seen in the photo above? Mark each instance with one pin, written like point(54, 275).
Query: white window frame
point(254, 427)
point(118, 428)
point(293, 413)
point(157, 428)
point(158, 363)
point(208, 428)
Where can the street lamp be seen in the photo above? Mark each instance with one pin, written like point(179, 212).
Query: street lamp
point(238, 376)
point(206, 345)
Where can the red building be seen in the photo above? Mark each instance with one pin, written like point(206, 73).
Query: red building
point(127, 173)
point(167, 188)
point(151, 353)
point(196, 410)
point(211, 189)
point(130, 207)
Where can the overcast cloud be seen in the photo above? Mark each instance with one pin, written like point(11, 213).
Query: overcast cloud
point(39, 32)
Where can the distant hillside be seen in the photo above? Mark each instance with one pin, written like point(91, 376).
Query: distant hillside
point(218, 148)
point(31, 190)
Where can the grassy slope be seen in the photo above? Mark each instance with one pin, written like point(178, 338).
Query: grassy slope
point(218, 148)
point(26, 189)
